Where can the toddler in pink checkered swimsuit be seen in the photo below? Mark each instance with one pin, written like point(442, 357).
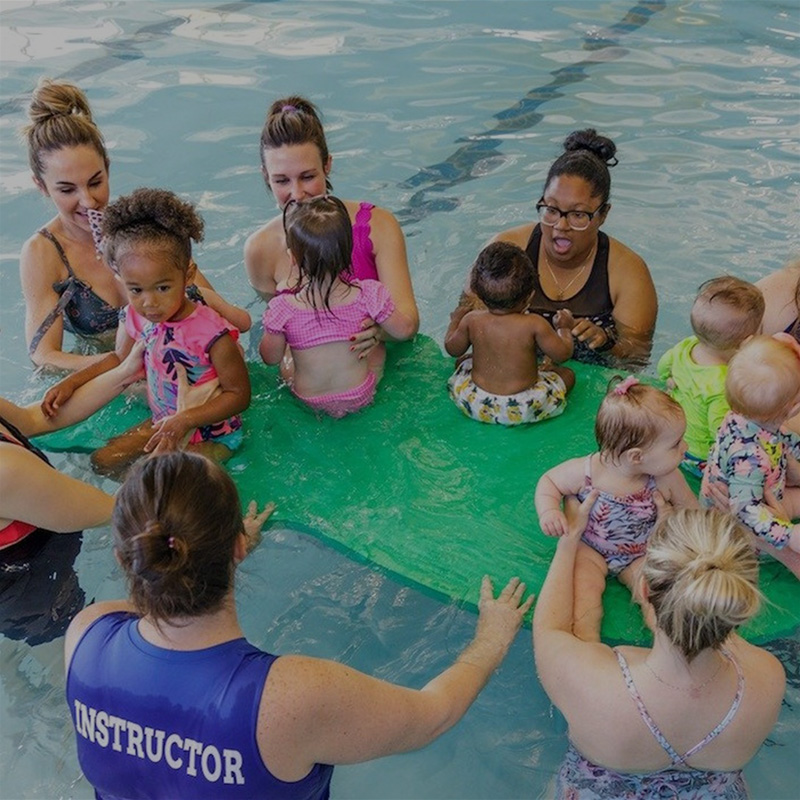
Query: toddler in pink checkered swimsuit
point(320, 314)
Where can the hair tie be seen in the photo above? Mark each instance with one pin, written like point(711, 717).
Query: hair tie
point(171, 542)
point(622, 387)
point(789, 340)
point(288, 107)
point(612, 162)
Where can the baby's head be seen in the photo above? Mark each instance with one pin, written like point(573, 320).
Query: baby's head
point(319, 236)
point(633, 417)
point(151, 222)
point(700, 574)
point(727, 311)
point(763, 380)
point(502, 277)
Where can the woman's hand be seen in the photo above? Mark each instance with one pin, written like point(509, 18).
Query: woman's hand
point(578, 513)
point(499, 618)
point(591, 334)
point(367, 339)
point(253, 521)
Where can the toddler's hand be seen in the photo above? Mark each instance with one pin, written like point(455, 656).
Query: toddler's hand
point(253, 521)
point(553, 522)
point(56, 396)
point(563, 319)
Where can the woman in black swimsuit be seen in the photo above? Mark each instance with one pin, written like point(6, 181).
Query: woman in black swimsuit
point(605, 285)
point(66, 283)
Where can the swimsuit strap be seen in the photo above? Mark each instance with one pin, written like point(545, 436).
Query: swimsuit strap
point(50, 238)
point(70, 286)
point(17, 437)
point(680, 760)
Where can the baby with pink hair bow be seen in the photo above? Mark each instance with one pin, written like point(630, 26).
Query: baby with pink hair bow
point(639, 431)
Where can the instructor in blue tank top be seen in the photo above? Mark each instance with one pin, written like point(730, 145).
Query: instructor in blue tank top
point(169, 700)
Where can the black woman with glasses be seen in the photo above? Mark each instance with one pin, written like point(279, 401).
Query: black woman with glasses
point(604, 284)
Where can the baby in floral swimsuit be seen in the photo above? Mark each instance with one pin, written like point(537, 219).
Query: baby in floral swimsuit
point(639, 432)
point(501, 382)
point(754, 453)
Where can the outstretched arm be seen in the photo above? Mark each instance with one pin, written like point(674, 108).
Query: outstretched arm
point(327, 711)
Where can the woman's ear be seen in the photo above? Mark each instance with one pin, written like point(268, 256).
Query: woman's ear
point(240, 548)
point(39, 184)
point(604, 213)
point(327, 165)
point(116, 556)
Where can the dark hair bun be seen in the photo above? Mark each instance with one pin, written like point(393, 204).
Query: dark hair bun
point(589, 139)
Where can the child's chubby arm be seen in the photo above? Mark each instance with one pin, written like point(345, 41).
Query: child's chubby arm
point(676, 491)
point(457, 339)
point(233, 396)
point(556, 343)
point(561, 481)
point(272, 347)
point(59, 393)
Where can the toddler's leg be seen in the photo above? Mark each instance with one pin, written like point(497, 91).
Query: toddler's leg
point(567, 375)
point(630, 578)
point(590, 583)
point(287, 366)
point(215, 451)
point(115, 457)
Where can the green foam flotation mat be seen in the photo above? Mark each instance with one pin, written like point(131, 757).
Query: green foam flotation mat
point(416, 488)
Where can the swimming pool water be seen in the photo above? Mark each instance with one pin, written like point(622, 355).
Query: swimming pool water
point(448, 113)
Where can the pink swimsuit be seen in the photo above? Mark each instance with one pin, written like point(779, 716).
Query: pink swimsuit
point(363, 264)
point(305, 328)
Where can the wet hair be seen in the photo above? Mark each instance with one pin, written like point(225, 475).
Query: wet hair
point(291, 121)
point(763, 379)
point(155, 220)
point(633, 418)
point(175, 522)
point(701, 574)
point(502, 276)
point(586, 155)
point(60, 117)
point(320, 235)
point(727, 311)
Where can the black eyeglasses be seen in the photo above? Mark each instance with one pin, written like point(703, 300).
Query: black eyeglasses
point(577, 220)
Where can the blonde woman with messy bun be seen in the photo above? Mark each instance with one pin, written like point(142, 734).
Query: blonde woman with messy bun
point(680, 718)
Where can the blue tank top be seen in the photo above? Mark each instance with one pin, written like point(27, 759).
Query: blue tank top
point(156, 723)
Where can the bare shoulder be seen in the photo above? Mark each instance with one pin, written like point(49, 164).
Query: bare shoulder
point(520, 235)
point(780, 282)
point(39, 261)
point(623, 258)
point(260, 248)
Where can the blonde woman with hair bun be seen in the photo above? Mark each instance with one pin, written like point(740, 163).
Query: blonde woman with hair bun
point(681, 718)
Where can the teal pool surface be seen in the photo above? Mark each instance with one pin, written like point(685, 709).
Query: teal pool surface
point(449, 114)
